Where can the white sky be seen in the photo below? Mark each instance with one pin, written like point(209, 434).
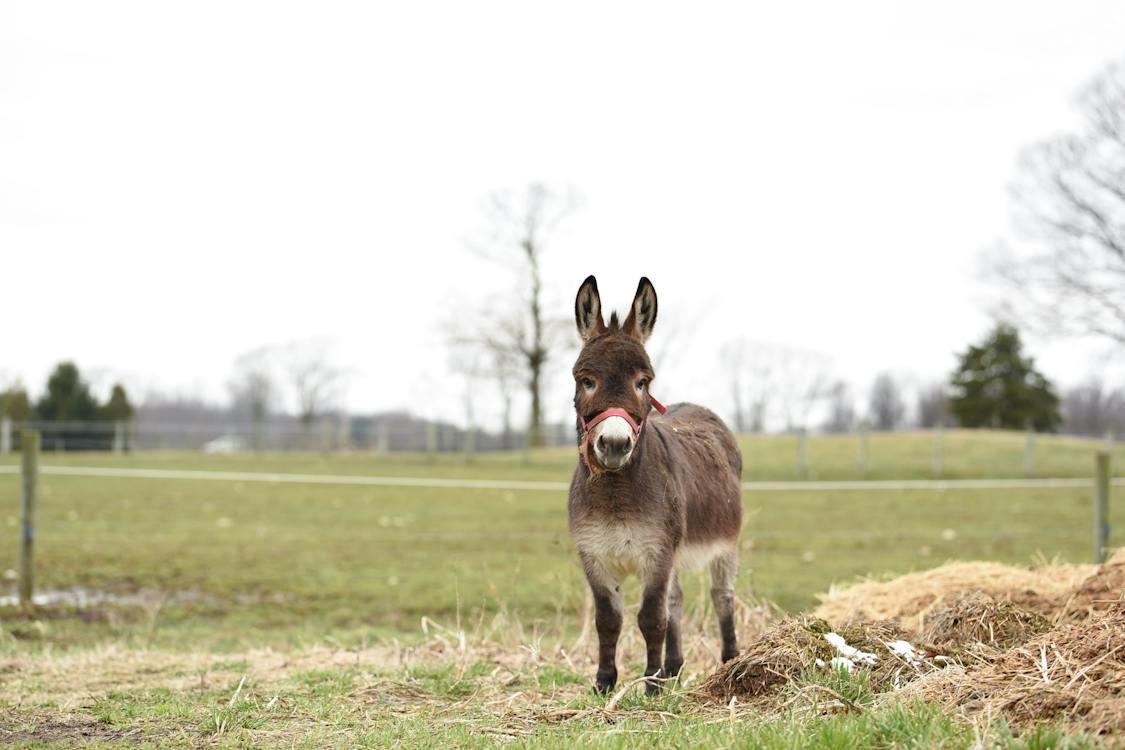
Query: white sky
point(180, 183)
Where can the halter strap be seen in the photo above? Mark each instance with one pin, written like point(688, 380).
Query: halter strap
point(615, 411)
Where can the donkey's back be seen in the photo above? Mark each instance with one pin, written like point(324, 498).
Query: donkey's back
point(704, 457)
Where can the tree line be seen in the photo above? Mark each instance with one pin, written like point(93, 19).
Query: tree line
point(67, 398)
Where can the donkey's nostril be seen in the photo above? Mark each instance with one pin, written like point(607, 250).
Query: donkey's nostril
point(613, 446)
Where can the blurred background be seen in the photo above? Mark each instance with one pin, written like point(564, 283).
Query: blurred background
point(888, 243)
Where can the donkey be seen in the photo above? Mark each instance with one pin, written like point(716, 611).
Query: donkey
point(650, 494)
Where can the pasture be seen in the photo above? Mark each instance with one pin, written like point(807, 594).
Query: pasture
point(251, 613)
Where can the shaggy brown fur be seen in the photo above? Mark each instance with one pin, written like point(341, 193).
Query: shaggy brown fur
point(647, 504)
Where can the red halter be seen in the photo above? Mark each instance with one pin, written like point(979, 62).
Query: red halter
point(584, 451)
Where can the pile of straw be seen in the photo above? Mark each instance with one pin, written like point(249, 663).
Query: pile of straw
point(910, 598)
point(798, 644)
point(1074, 673)
point(1030, 645)
point(981, 619)
point(1098, 593)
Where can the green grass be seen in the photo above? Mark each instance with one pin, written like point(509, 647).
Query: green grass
point(358, 707)
point(219, 571)
point(254, 562)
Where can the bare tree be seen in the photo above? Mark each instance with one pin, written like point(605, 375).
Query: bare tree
point(315, 379)
point(522, 224)
point(505, 373)
point(748, 371)
point(841, 408)
point(886, 406)
point(766, 379)
point(1092, 409)
point(252, 390)
point(478, 354)
point(1071, 194)
point(804, 380)
point(933, 406)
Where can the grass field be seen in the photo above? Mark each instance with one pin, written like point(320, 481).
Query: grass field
point(313, 596)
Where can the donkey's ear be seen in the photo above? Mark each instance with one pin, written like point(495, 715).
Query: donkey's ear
point(642, 316)
point(588, 310)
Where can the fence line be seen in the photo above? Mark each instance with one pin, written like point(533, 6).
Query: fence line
point(503, 484)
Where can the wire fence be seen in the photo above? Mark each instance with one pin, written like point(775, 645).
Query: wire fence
point(931, 454)
point(393, 433)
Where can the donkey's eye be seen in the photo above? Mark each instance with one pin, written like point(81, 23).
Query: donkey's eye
point(642, 384)
point(588, 384)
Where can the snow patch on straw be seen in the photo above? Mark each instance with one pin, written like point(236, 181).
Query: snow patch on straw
point(849, 652)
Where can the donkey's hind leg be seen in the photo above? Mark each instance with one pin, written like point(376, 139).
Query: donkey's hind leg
point(673, 655)
point(724, 569)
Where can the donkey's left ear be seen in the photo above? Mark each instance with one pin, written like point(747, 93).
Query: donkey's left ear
point(642, 317)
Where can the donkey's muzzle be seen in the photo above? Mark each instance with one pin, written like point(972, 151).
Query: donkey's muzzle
point(613, 450)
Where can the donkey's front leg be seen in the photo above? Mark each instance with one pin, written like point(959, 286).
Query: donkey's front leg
point(607, 617)
point(653, 620)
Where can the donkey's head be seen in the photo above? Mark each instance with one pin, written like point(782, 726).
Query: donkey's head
point(612, 376)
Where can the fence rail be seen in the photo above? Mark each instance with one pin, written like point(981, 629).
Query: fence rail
point(333, 433)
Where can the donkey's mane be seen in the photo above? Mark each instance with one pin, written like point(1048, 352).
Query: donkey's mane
point(614, 323)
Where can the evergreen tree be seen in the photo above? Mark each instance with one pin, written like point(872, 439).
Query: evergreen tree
point(14, 404)
point(118, 408)
point(68, 397)
point(995, 385)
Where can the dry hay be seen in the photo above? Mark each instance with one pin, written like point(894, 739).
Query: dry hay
point(997, 627)
point(1099, 592)
point(796, 645)
point(1074, 673)
point(909, 598)
point(981, 619)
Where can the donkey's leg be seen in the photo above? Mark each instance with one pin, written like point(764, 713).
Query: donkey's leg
point(673, 656)
point(607, 617)
point(724, 569)
point(653, 618)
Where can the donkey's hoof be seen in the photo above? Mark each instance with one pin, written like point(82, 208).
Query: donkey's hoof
point(605, 682)
point(729, 654)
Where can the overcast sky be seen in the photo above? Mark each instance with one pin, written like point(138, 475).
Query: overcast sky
point(180, 183)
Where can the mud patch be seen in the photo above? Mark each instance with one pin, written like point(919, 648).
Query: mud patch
point(63, 730)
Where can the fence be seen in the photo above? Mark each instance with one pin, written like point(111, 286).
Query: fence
point(396, 433)
point(933, 454)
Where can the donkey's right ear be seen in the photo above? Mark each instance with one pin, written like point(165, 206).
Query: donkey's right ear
point(588, 310)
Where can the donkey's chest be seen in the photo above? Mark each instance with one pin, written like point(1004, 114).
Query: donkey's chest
point(623, 547)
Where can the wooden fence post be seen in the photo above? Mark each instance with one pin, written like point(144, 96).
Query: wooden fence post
point(939, 450)
point(1029, 453)
point(343, 431)
point(803, 454)
point(861, 461)
point(119, 437)
point(383, 436)
point(470, 442)
point(431, 439)
point(5, 435)
point(29, 444)
point(1101, 509)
